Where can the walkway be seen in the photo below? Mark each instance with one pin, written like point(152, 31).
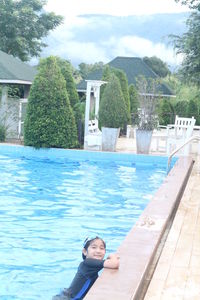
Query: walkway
point(177, 275)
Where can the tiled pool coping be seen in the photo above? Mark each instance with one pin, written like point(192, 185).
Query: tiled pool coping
point(141, 248)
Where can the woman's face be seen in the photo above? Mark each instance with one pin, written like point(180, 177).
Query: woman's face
point(95, 250)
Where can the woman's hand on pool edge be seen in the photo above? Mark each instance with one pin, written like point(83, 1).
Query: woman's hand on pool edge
point(112, 261)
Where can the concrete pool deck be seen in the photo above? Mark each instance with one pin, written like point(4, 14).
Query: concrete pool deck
point(176, 274)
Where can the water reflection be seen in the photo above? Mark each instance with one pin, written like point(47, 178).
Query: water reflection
point(47, 208)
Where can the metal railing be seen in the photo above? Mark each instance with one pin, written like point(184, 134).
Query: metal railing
point(191, 139)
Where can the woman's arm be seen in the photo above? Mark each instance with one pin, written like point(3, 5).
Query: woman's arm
point(112, 262)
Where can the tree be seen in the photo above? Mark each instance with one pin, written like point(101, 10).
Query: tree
point(50, 120)
point(112, 110)
point(193, 110)
point(181, 108)
point(124, 86)
point(134, 103)
point(23, 24)
point(85, 69)
point(105, 77)
point(166, 112)
point(189, 46)
point(157, 65)
point(67, 72)
point(2, 132)
point(106, 73)
point(194, 4)
point(134, 100)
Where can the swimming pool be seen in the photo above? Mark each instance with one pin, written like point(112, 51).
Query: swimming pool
point(52, 199)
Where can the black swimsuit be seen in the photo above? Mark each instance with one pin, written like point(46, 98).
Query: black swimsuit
point(85, 277)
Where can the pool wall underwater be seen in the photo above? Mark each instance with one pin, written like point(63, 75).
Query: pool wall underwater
point(140, 250)
point(62, 154)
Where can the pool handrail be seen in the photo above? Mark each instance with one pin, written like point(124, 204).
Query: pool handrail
point(191, 139)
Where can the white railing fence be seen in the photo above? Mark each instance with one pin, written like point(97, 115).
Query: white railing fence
point(191, 139)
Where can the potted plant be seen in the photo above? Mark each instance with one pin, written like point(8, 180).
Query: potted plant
point(112, 113)
point(147, 117)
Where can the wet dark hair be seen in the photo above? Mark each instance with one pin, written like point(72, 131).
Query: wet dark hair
point(87, 243)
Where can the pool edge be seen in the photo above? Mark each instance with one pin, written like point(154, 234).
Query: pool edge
point(141, 248)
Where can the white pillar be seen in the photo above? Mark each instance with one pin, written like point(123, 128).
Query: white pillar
point(97, 93)
point(87, 107)
point(20, 120)
point(92, 141)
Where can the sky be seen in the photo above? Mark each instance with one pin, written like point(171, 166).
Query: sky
point(66, 38)
point(113, 7)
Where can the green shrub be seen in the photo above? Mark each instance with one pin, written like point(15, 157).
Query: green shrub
point(49, 120)
point(193, 110)
point(66, 70)
point(124, 87)
point(181, 109)
point(134, 104)
point(2, 133)
point(166, 112)
point(112, 110)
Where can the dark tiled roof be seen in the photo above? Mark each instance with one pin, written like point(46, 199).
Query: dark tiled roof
point(133, 67)
point(14, 70)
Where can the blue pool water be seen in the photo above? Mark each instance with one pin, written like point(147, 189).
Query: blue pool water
point(50, 200)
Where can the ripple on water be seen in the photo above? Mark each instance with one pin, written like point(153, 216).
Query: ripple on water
point(47, 209)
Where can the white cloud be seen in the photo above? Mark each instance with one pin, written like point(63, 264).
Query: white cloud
point(113, 7)
point(65, 42)
point(85, 52)
point(136, 46)
point(91, 52)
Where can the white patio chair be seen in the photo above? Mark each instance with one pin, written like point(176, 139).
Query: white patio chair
point(93, 126)
point(179, 132)
point(159, 139)
point(93, 140)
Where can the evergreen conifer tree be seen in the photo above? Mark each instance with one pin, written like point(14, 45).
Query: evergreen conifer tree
point(105, 77)
point(134, 103)
point(66, 70)
point(124, 86)
point(112, 110)
point(50, 120)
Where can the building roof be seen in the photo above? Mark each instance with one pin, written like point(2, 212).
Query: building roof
point(133, 67)
point(13, 70)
